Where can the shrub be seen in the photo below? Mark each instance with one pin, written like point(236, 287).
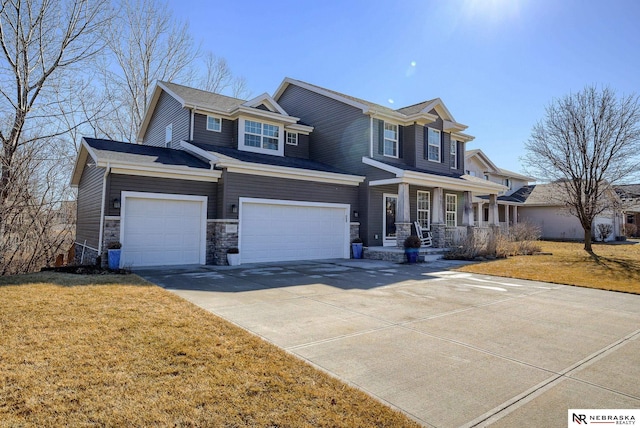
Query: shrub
point(603, 230)
point(522, 239)
point(356, 240)
point(115, 245)
point(412, 241)
point(629, 229)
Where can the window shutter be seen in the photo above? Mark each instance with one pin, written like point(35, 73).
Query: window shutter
point(400, 140)
point(380, 137)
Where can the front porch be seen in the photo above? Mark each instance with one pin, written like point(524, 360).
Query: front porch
point(396, 254)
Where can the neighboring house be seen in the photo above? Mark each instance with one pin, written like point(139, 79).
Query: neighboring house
point(292, 176)
point(537, 204)
point(478, 164)
point(630, 200)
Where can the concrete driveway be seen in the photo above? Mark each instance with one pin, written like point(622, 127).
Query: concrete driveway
point(448, 349)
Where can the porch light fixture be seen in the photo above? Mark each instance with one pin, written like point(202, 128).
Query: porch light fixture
point(356, 214)
point(234, 208)
point(116, 203)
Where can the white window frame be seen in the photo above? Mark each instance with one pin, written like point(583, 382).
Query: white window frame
point(453, 154)
point(425, 218)
point(394, 142)
point(292, 141)
point(430, 143)
point(241, 134)
point(451, 216)
point(507, 182)
point(168, 135)
point(217, 120)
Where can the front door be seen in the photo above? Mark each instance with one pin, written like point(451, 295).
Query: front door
point(389, 219)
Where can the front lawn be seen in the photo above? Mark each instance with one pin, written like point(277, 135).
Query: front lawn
point(115, 351)
point(611, 267)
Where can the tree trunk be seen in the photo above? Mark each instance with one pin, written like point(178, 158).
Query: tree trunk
point(587, 240)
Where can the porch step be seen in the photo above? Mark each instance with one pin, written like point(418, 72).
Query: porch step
point(396, 255)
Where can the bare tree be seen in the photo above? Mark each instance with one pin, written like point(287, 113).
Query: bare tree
point(586, 142)
point(148, 44)
point(219, 78)
point(43, 44)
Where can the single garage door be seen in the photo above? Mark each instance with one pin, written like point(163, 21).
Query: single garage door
point(162, 230)
point(287, 230)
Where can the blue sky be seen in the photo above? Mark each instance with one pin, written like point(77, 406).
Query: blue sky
point(496, 64)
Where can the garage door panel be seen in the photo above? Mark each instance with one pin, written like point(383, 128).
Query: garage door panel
point(159, 231)
point(280, 232)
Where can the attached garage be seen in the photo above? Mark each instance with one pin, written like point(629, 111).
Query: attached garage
point(276, 230)
point(162, 229)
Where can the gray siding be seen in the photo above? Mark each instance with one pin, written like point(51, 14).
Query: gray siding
point(299, 151)
point(442, 167)
point(89, 206)
point(253, 186)
point(167, 111)
point(341, 132)
point(406, 143)
point(227, 137)
point(117, 183)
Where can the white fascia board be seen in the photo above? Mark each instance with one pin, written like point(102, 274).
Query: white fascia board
point(404, 120)
point(254, 112)
point(385, 182)
point(266, 98)
point(453, 127)
point(302, 129)
point(459, 136)
point(188, 147)
point(85, 152)
point(289, 81)
point(184, 172)
point(209, 112)
point(383, 166)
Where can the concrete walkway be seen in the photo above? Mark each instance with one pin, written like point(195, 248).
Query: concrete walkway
point(448, 349)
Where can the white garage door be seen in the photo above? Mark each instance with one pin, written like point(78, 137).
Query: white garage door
point(162, 231)
point(281, 231)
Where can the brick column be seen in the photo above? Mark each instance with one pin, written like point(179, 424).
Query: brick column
point(222, 234)
point(438, 232)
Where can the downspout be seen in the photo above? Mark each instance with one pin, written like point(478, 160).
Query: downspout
point(371, 137)
point(193, 114)
point(102, 207)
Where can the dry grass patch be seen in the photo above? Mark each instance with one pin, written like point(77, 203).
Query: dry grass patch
point(611, 267)
point(115, 351)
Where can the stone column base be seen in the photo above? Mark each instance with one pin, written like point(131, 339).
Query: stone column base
point(403, 231)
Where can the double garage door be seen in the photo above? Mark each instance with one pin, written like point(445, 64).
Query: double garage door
point(287, 230)
point(159, 230)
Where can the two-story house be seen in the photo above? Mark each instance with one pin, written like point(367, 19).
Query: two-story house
point(292, 176)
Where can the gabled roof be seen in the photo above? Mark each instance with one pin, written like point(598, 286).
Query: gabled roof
point(209, 102)
point(511, 174)
point(138, 159)
point(483, 158)
point(628, 191)
point(419, 113)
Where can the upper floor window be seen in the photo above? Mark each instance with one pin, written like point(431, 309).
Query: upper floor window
point(507, 183)
point(168, 135)
point(434, 145)
point(260, 137)
point(390, 140)
point(451, 204)
point(486, 177)
point(453, 155)
point(292, 138)
point(214, 124)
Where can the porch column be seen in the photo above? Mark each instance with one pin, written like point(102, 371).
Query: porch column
point(480, 213)
point(403, 216)
point(438, 230)
point(467, 215)
point(515, 215)
point(494, 219)
point(506, 215)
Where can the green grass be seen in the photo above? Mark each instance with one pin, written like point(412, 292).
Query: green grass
point(112, 350)
point(610, 267)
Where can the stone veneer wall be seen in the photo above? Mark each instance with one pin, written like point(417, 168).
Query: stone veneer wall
point(403, 231)
point(439, 232)
point(222, 234)
point(111, 234)
point(354, 231)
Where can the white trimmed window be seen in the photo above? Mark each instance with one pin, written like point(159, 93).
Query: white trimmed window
point(390, 140)
point(433, 144)
point(424, 209)
point(260, 137)
point(292, 138)
point(453, 154)
point(507, 183)
point(451, 213)
point(214, 124)
point(168, 135)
